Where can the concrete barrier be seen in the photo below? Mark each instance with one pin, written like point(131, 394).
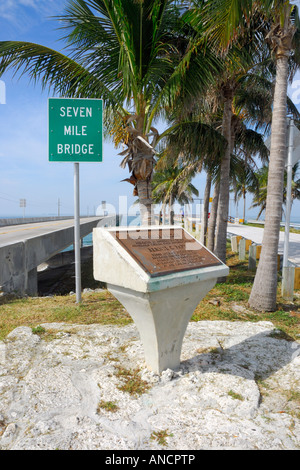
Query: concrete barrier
point(252, 258)
point(13, 276)
point(19, 261)
point(235, 240)
point(248, 244)
point(242, 249)
point(258, 251)
point(297, 278)
point(287, 285)
point(30, 220)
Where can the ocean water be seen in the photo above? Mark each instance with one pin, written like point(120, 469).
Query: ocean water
point(88, 240)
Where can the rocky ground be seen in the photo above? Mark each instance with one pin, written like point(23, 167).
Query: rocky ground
point(87, 387)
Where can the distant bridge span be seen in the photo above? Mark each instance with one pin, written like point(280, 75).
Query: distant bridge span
point(24, 247)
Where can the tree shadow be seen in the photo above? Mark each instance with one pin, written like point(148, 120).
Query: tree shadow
point(240, 274)
point(257, 357)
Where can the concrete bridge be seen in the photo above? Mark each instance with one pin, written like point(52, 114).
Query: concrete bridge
point(24, 247)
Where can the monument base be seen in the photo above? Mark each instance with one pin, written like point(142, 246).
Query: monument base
point(159, 274)
point(161, 318)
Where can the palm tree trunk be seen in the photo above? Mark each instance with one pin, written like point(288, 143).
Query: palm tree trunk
point(264, 291)
point(245, 189)
point(171, 210)
point(164, 213)
point(145, 201)
point(213, 217)
point(204, 222)
point(223, 206)
point(244, 204)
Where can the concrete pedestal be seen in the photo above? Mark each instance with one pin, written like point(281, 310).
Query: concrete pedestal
point(161, 318)
point(161, 305)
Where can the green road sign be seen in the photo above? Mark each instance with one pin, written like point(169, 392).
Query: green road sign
point(75, 130)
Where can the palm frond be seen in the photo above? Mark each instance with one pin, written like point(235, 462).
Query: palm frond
point(223, 19)
point(195, 140)
point(52, 69)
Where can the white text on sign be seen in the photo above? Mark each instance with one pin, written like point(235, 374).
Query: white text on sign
point(75, 130)
point(71, 111)
point(75, 149)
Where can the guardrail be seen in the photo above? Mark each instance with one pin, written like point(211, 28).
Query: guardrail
point(241, 245)
point(29, 220)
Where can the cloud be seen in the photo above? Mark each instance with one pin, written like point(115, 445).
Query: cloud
point(23, 13)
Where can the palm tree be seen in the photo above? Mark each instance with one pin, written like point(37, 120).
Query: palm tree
point(238, 58)
point(254, 101)
point(224, 20)
point(260, 191)
point(206, 200)
point(243, 180)
point(250, 111)
point(194, 136)
point(197, 137)
point(284, 25)
point(295, 184)
point(249, 143)
point(173, 184)
point(133, 54)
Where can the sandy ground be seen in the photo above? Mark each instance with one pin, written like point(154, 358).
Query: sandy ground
point(237, 387)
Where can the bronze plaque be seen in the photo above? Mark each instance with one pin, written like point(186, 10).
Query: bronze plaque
point(164, 251)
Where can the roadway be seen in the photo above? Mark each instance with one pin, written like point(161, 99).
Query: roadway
point(24, 247)
point(256, 235)
point(18, 233)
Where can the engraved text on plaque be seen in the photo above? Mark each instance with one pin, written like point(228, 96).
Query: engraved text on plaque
point(164, 251)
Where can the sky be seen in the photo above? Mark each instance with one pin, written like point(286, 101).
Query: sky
point(25, 169)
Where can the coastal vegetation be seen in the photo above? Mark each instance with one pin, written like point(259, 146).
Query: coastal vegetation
point(259, 188)
point(226, 301)
point(215, 72)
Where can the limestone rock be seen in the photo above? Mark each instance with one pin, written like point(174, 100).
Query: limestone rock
point(236, 388)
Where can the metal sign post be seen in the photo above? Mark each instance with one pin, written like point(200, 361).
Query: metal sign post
point(289, 167)
point(77, 234)
point(293, 155)
point(287, 273)
point(75, 135)
point(23, 204)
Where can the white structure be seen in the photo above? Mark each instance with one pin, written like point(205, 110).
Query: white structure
point(2, 92)
point(160, 302)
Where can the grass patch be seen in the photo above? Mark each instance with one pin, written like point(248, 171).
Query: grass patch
point(39, 330)
point(235, 396)
point(280, 334)
point(101, 307)
point(230, 293)
point(131, 381)
point(282, 229)
point(96, 307)
point(294, 395)
point(110, 406)
point(235, 293)
point(160, 437)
